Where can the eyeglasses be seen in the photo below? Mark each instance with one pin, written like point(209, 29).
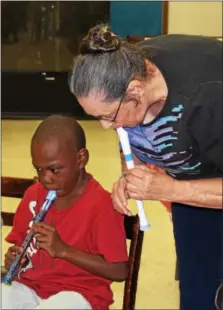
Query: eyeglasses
point(108, 119)
point(113, 121)
point(119, 106)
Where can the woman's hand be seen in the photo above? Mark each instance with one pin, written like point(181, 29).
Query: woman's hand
point(120, 196)
point(144, 183)
point(141, 183)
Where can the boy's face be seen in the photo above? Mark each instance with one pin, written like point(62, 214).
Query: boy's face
point(57, 165)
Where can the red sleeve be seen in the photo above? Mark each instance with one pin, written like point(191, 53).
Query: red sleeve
point(109, 231)
point(23, 216)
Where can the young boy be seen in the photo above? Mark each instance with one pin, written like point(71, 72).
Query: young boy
point(80, 248)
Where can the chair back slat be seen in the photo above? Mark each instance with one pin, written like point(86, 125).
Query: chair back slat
point(15, 187)
point(7, 218)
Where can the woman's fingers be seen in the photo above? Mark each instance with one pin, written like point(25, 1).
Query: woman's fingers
point(120, 197)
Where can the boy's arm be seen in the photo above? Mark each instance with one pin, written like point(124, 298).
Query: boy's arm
point(96, 264)
point(48, 239)
point(18, 231)
point(23, 216)
point(109, 260)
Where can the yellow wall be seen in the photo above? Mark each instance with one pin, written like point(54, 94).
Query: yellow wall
point(201, 18)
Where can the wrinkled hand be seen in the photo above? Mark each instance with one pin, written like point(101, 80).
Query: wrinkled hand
point(48, 239)
point(10, 256)
point(141, 183)
point(144, 183)
point(120, 196)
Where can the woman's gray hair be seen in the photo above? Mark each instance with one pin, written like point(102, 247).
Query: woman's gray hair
point(105, 64)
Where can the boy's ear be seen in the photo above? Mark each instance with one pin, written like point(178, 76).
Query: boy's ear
point(82, 158)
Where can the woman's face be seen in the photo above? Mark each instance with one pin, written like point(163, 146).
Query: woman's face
point(128, 115)
point(138, 104)
point(128, 112)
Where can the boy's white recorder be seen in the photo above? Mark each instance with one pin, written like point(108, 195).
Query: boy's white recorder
point(124, 140)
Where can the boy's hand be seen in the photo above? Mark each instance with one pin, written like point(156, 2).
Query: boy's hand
point(48, 239)
point(11, 254)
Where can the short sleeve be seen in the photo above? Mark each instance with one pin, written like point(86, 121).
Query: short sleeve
point(206, 123)
point(109, 232)
point(23, 215)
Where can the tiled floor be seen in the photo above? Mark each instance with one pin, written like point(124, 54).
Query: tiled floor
point(157, 288)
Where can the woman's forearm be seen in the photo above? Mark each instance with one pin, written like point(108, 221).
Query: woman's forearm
point(206, 193)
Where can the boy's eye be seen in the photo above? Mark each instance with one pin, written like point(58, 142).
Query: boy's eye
point(54, 170)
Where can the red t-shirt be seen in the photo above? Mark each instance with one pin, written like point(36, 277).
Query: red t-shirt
point(91, 224)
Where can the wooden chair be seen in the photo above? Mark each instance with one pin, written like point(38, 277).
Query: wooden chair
point(16, 187)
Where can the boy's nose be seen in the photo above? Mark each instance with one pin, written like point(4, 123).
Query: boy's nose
point(46, 178)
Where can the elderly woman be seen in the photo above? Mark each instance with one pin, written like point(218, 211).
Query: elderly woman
point(167, 93)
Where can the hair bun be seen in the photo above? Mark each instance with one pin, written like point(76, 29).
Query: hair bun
point(100, 40)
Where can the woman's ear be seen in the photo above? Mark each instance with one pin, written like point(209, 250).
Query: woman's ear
point(151, 69)
point(82, 158)
point(135, 88)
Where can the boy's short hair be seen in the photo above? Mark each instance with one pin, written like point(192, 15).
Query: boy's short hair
point(61, 126)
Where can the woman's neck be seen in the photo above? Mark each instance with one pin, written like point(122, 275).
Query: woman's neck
point(153, 111)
